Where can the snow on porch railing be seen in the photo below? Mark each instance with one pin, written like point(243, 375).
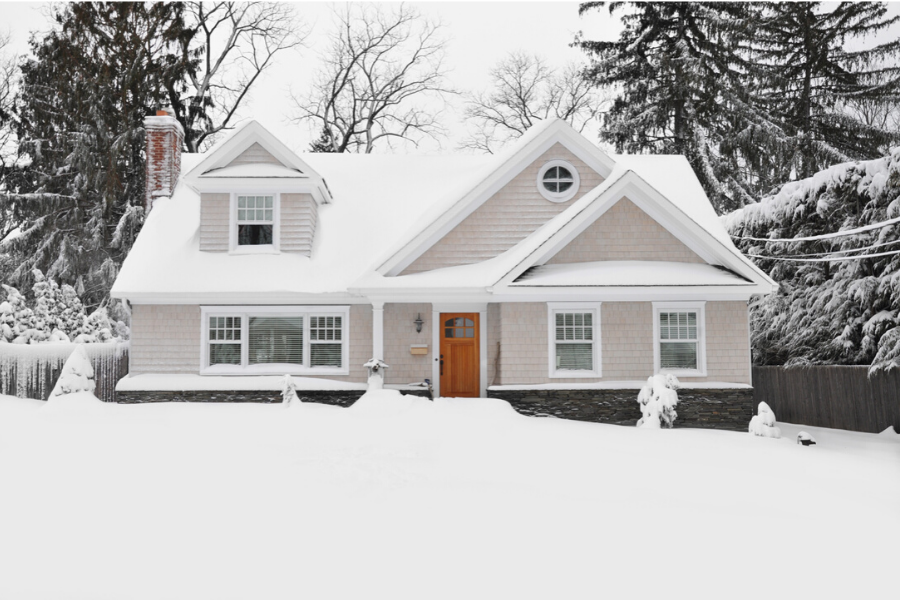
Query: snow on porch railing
point(31, 370)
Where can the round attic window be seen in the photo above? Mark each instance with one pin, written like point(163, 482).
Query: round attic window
point(558, 181)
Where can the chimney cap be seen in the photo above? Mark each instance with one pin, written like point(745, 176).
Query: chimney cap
point(162, 113)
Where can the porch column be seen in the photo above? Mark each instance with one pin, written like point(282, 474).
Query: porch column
point(378, 330)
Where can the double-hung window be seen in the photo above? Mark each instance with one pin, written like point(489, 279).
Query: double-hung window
point(574, 340)
point(255, 218)
point(275, 340)
point(680, 345)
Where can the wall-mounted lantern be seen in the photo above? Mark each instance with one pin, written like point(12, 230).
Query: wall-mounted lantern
point(418, 322)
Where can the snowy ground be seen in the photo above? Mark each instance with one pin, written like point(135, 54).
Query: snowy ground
point(403, 498)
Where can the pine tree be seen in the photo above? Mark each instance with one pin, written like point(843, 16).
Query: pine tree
point(678, 71)
point(46, 303)
point(82, 102)
point(72, 315)
point(827, 311)
point(808, 73)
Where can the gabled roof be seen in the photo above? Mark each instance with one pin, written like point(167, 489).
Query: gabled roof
point(442, 218)
point(684, 211)
point(216, 163)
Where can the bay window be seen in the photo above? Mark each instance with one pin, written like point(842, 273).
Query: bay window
point(275, 340)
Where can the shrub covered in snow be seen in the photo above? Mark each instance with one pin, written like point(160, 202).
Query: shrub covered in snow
point(57, 316)
point(77, 375)
point(289, 391)
point(763, 423)
point(658, 398)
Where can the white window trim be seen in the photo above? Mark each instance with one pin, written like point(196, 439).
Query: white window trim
point(552, 309)
point(272, 248)
point(700, 308)
point(559, 197)
point(276, 311)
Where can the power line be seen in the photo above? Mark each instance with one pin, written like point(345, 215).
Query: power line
point(836, 258)
point(825, 236)
point(833, 252)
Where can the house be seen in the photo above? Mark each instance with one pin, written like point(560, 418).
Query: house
point(554, 276)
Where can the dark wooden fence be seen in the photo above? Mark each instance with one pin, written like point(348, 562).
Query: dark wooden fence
point(831, 396)
point(31, 371)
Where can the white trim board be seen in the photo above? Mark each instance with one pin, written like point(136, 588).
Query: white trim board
point(530, 149)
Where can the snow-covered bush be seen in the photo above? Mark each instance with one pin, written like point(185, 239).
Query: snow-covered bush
point(658, 399)
point(96, 328)
point(47, 304)
point(77, 375)
point(71, 317)
point(19, 318)
point(289, 391)
point(763, 423)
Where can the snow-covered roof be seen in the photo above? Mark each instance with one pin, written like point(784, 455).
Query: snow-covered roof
point(378, 203)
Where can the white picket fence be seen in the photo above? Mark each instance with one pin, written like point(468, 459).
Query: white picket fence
point(31, 370)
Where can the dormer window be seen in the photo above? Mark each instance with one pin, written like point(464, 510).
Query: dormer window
point(255, 220)
point(558, 181)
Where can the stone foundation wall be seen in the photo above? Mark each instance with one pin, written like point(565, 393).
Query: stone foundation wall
point(333, 397)
point(705, 408)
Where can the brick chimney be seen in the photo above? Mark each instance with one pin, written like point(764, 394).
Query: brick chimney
point(164, 139)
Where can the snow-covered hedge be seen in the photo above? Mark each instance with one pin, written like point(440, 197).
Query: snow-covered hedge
point(57, 315)
point(828, 312)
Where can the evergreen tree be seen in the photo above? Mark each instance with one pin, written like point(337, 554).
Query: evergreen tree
point(72, 315)
point(23, 321)
point(46, 304)
point(808, 73)
point(840, 302)
point(81, 106)
point(678, 72)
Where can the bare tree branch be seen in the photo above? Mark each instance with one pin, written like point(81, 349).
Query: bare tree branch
point(378, 75)
point(526, 90)
point(237, 42)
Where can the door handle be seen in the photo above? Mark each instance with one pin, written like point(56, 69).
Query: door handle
point(442, 367)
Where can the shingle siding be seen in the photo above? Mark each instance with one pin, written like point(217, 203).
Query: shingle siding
point(299, 215)
point(625, 232)
point(506, 218)
point(399, 335)
point(215, 222)
point(165, 338)
point(626, 333)
point(254, 154)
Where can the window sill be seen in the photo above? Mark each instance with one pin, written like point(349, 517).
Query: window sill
point(274, 370)
point(562, 374)
point(262, 249)
point(682, 372)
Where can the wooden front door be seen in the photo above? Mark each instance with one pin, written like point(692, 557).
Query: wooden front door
point(460, 374)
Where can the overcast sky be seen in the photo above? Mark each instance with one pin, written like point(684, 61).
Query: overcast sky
point(480, 34)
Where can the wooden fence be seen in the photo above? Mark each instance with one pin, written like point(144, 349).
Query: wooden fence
point(31, 371)
point(831, 396)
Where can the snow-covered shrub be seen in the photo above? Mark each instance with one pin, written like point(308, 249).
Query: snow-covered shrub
point(289, 391)
point(22, 321)
point(77, 375)
point(658, 398)
point(47, 304)
point(96, 328)
point(71, 317)
point(763, 423)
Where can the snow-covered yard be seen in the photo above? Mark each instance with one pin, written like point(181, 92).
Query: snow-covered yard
point(405, 498)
